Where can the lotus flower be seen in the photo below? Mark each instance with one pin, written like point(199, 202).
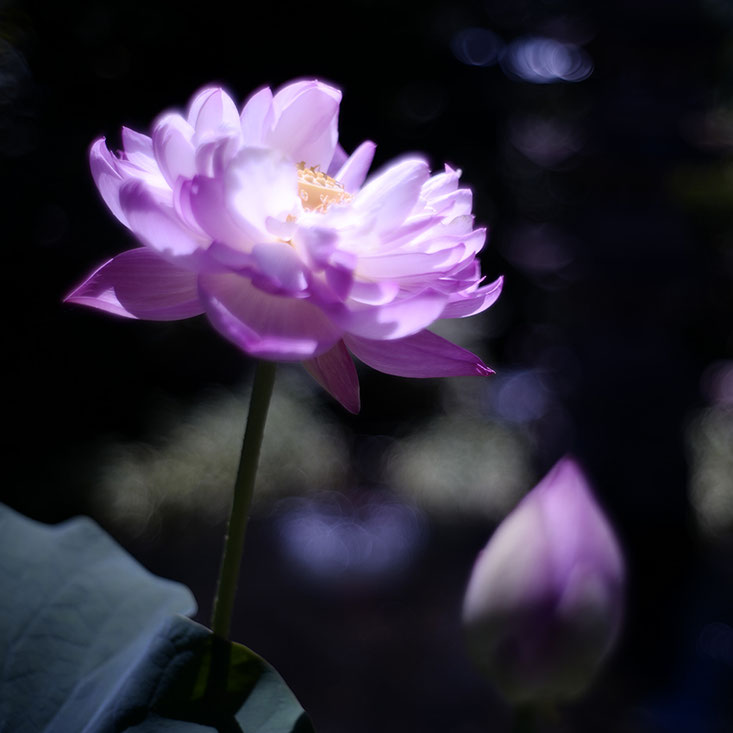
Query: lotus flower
point(544, 603)
point(261, 221)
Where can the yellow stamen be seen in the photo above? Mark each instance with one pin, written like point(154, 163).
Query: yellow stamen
point(317, 190)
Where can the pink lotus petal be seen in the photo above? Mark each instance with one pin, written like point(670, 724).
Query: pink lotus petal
point(173, 146)
point(107, 177)
point(472, 241)
point(139, 149)
point(354, 170)
point(208, 205)
point(263, 325)
point(257, 117)
point(230, 258)
point(278, 269)
point(158, 227)
point(409, 265)
point(457, 226)
point(214, 153)
point(441, 184)
point(391, 196)
point(316, 245)
point(421, 355)
point(139, 284)
point(335, 372)
point(393, 321)
point(340, 278)
point(455, 203)
point(306, 122)
point(213, 110)
point(413, 227)
point(475, 303)
point(374, 293)
point(339, 158)
point(260, 183)
point(283, 231)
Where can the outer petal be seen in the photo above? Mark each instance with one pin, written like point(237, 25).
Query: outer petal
point(476, 302)
point(264, 325)
point(107, 177)
point(208, 205)
point(158, 227)
point(212, 111)
point(395, 320)
point(306, 122)
point(335, 372)
point(441, 183)
point(256, 118)
point(339, 158)
point(455, 203)
point(173, 146)
point(354, 170)
point(139, 284)
point(390, 196)
point(422, 355)
point(139, 149)
point(409, 264)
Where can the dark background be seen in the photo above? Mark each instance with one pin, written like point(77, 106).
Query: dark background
point(609, 197)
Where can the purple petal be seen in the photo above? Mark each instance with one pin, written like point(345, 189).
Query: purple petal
point(213, 110)
point(260, 183)
point(576, 527)
point(208, 205)
point(158, 227)
point(339, 158)
point(306, 122)
point(472, 241)
point(339, 278)
point(316, 245)
point(279, 270)
point(455, 203)
point(335, 372)
point(213, 155)
point(173, 146)
point(421, 355)
point(374, 293)
point(256, 118)
point(441, 184)
point(107, 177)
point(354, 170)
point(139, 149)
point(139, 284)
point(394, 320)
point(413, 227)
point(263, 325)
point(391, 195)
point(475, 303)
point(405, 265)
point(230, 258)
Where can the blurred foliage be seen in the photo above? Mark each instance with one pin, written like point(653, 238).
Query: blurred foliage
point(710, 437)
point(185, 473)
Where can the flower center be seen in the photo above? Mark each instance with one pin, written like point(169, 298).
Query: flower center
point(317, 190)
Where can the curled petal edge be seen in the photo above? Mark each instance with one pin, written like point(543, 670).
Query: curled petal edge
point(421, 355)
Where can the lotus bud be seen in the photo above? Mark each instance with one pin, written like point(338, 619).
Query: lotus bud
point(545, 599)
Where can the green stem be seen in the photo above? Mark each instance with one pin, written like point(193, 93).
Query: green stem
point(243, 489)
